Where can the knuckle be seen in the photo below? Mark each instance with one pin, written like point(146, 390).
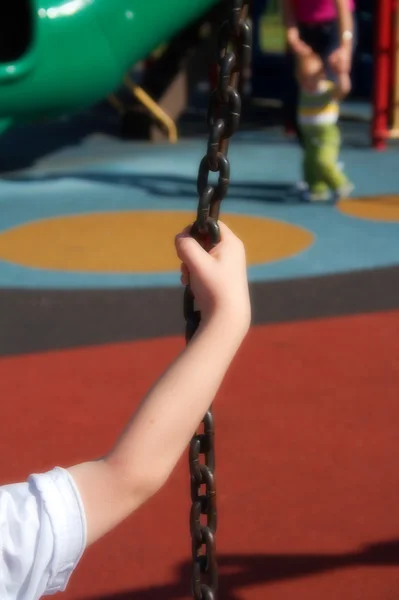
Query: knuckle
point(180, 242)
point(240, 246)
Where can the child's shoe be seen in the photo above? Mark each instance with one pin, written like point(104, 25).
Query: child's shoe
point(309, 196)
point(344, 191)
point(301, 186)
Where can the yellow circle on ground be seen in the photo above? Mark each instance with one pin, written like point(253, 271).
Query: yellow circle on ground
point(372, 208)
point(135, 241)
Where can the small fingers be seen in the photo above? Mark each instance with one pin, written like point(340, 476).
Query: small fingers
point(190, 251)
point(185, 232)
point(226, 233)
point(228, 240)
point(195, 257)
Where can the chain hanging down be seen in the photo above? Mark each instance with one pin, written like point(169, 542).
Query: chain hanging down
point(223, 120)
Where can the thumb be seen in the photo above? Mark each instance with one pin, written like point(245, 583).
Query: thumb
point(190, 252)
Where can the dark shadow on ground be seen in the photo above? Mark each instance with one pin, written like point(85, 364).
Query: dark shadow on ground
point(237, 572)
point(24, 144)
point(176, 187)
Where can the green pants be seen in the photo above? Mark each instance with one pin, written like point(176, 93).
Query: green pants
point(321, 151)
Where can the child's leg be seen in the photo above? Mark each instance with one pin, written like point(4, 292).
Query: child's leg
point(311, 168)
point(328, 152)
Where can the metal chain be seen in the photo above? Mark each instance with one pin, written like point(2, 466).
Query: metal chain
point(224, 114)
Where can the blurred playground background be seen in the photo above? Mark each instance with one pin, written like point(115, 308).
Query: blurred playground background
point(103, 120)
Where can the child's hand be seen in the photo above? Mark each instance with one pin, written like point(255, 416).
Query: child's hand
point(341, 59)
point(344, 85)
point(217, 279)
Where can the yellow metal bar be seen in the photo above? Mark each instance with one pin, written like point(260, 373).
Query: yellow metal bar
point(113, 100)
point(154, 109)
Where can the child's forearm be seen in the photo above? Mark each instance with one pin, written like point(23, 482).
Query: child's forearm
point(160, 430)
point(167, 418)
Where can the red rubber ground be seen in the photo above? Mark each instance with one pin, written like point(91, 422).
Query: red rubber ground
point(308, 461)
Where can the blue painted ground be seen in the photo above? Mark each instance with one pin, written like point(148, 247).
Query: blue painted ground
point(104, 174)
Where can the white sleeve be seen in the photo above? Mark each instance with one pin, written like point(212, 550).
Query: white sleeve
point(42, 535)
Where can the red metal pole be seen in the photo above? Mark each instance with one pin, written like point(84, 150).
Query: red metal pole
point(394, 84)
point(382, 73)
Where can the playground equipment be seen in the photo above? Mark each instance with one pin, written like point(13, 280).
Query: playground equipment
point(224, 113)
point(170, 75)
point(57, 57)
point(385, 123)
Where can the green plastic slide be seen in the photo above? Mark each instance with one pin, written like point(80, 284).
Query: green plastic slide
point(57, 56)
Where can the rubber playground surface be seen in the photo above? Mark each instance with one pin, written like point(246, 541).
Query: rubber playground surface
point(307, 419)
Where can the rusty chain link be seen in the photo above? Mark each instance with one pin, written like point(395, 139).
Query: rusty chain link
point(224, 114)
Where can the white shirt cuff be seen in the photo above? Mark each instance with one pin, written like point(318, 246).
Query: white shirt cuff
point(64, 507)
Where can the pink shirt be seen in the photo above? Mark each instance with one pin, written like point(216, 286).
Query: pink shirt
point(316, 11)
